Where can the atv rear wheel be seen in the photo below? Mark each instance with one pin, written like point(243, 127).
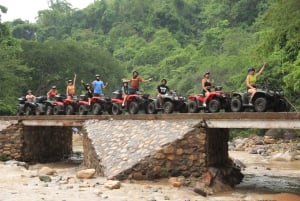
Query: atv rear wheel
point(133, 107)
point(168, 107)
point(82, 110)
point(193, 107)
point(236, 105)
point(214, 106)
point(97, 109)
point(116, 109)
point(151, 109)
point(260, 104)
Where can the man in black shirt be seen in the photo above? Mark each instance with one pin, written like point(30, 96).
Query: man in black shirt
point(161, 90)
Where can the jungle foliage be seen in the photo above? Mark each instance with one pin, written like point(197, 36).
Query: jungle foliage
point(174, 39)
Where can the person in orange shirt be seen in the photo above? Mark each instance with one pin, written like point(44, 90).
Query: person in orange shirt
point(71, 87)
point(135, 82)
point(52, 93)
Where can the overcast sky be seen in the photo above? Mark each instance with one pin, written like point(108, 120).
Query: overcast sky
point(28, 9)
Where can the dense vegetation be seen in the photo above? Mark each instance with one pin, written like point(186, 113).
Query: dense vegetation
point(174, 39)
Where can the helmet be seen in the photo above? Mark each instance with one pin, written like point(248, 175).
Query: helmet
point(97, 75)
point(251, 69)
point(206, 73)
point(29, 91)
point(53, 87)
point(69, 81)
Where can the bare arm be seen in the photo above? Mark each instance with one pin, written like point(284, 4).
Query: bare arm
point(74, 79)
point(261, 69)
point(105, 85)
point(148, 80)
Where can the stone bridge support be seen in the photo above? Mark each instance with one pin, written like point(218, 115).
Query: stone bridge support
point(143, 149)
point(34, 143)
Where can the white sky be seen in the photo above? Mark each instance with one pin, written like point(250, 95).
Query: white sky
point(28, 9)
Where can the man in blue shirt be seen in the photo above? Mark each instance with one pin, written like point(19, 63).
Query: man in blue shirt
point(98, 86)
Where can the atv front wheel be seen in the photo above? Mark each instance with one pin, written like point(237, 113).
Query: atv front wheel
point(133, 107)
point(168, 107)
point(97, 109)
point(49, 110)
point(28, 111)
point(214, 105)
point(82, 110)
point(115, 109)
point(70, 110)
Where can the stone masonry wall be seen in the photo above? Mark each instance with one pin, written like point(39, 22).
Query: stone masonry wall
point(11, 140)
point(143, 149)
point(34, 143)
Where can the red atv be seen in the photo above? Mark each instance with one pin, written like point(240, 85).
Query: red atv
point(63, 105)
point(133, 104)
point(99, 104)
point(216, 101)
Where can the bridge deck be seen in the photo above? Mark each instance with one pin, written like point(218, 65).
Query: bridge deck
point(289, 120)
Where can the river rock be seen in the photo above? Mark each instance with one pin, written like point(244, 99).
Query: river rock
point(274, 133)
point(282, 157)
point(46, 171)
point(110, 184)
point(86, 174)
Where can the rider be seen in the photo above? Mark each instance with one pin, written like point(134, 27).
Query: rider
point(162, 89)
point(71, 87)
point(52, 93)
point(98, 86)
point(30, 97)
point(207, 83)
point(251, 80)
point(125, 91)
point(89, 92)
point(135, 82)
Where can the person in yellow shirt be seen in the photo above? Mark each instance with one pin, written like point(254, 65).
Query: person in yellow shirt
point(251, 80)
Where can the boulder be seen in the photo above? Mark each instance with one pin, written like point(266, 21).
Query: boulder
point(47, 171)
point(111, 184)
point(86, 174)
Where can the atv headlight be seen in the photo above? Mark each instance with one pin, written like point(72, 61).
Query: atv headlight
point(176, 98)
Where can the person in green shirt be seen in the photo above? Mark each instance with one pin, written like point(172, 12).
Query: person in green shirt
point(251, 80)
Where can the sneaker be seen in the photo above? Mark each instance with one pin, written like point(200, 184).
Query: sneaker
point(204, 104)
point(123, 105)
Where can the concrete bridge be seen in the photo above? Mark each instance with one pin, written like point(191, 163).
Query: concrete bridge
point(288, 120)
point(138, 146)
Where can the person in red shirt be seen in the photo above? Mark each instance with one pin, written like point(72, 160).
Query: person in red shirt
point(52, 93)
point(30, 97)
point(135, 82)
